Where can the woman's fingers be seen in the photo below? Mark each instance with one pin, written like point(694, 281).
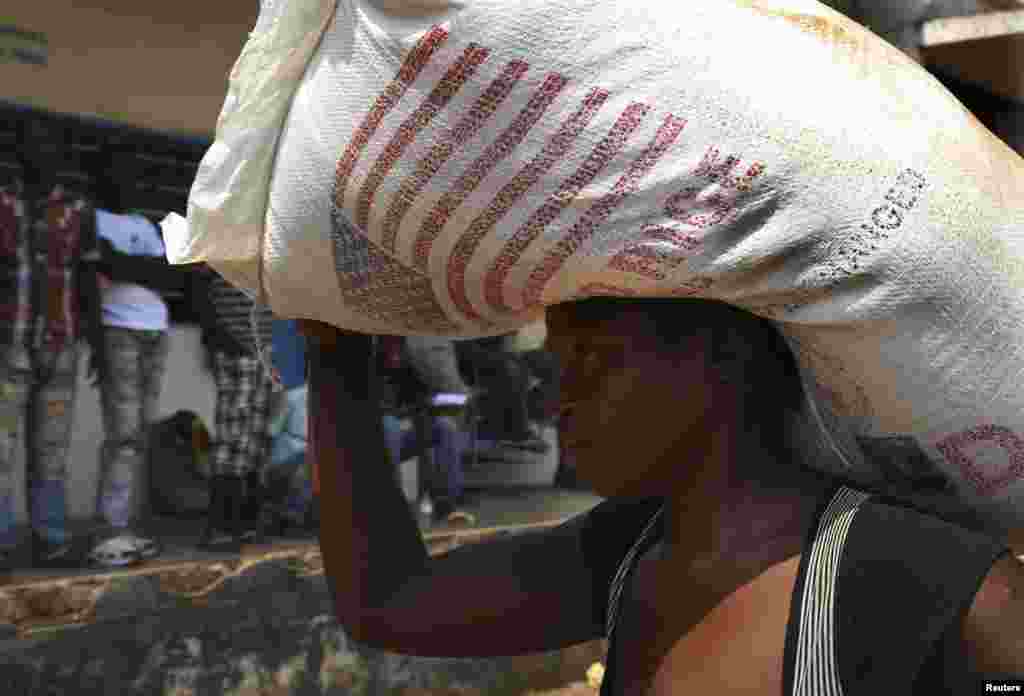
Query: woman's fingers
point(325, 335)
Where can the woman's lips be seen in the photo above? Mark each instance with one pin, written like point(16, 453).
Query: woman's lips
point(568, 438)
point(575, 443)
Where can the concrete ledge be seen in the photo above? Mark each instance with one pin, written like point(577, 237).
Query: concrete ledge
point(258, 625)
point(46, 604)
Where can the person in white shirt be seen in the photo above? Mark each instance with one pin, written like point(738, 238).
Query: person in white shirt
point(129, 375)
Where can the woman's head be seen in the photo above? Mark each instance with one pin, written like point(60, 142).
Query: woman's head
point(651, 386)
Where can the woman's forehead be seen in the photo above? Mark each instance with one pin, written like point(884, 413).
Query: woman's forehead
point(567, 319)
point(572, 321)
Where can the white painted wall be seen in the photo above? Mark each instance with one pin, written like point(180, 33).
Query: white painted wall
point(186, 385)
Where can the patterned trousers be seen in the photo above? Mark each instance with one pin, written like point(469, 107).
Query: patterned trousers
point(241, 439)
point(130, 394)
point(37, 399)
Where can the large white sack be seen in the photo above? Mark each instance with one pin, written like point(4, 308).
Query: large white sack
point(454, 180)
point(227, 203)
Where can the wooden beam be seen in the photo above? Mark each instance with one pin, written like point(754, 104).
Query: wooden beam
point(994, 63)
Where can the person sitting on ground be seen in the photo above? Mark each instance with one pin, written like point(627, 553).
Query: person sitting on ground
point(716, 545)
point(504, 379)
point(437, 394)
point(178, 452)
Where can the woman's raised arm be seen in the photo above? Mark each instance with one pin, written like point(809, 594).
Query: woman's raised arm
point(517, 594)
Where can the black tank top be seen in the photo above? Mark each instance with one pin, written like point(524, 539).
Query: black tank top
point(620, 532)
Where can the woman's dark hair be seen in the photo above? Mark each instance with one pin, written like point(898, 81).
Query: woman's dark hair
point(747, 351)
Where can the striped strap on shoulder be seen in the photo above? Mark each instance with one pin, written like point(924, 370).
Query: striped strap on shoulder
point(816, 668)
point(619, 581)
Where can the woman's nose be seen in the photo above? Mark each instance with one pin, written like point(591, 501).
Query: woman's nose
point(565, 408)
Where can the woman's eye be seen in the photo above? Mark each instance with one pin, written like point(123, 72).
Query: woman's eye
point(590, 361)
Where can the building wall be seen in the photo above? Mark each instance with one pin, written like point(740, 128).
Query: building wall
point(186, 386)
point(154, 64)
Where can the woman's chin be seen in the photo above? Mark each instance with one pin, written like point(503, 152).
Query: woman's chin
point(605, 483)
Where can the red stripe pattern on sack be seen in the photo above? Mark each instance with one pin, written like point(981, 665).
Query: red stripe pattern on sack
point(498, 150)
point(446, 146)
point(596, 161)
point(554, 150)
point(376, 283)
point(411, 68)
point(456, 76)
point(583, 230)
point(660, 249)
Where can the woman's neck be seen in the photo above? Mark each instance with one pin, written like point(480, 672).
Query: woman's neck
point(744, 510)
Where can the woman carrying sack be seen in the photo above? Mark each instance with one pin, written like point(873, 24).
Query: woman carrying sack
point(847, 433)
point(713, 521)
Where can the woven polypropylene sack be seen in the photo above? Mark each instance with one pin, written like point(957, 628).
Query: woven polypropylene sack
point(455, 174)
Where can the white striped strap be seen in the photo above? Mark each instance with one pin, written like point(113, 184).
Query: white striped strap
point(816, 669)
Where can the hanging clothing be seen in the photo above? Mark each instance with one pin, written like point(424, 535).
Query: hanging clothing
point(49, 299)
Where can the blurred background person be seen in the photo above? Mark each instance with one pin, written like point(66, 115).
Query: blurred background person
point(430, 390)
point(130, 375)
point(48, 302)
point(503, 380)
point(233, 329)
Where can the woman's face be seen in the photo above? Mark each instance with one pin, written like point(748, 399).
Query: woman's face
point(636, 416)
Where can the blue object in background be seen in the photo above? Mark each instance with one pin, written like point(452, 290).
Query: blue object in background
point(290, 440)
point(289, 353)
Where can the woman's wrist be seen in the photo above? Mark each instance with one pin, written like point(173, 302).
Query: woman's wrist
point(325, 336)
